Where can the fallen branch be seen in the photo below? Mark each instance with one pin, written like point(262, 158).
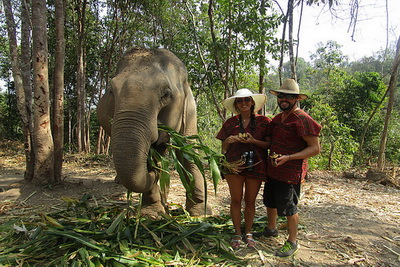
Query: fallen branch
point(391, 240)
point(394, 252)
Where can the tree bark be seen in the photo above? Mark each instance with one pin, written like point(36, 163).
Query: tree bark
point(21, 74)
point(43, 141)
point(392, 89)
point(223, 75)
point(26, 67)
point(291, 53)
point(58, 89)
point(80, 79)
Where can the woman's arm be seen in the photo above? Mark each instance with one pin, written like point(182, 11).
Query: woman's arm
point(228, 141)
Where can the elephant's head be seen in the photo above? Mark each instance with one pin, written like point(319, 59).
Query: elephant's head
point(150, 87)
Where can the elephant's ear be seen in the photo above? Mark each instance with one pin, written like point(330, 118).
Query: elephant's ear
point(189, 123)
point(105, 111)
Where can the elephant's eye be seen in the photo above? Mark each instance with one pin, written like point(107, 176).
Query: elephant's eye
point(166, 96)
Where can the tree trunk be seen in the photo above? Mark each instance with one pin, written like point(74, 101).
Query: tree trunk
point(223, 75)
point(26, 67)
point(291, 53)
point(43, 141)
point(80, 79)
point(58, 103)
point(23, 102)
point(392, 89)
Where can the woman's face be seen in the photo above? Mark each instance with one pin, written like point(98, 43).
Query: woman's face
point(243, 104)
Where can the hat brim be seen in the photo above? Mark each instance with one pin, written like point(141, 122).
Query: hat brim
point(276, 92)
point(259, 102)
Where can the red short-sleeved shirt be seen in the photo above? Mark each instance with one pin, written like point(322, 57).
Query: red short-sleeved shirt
point(236, 150)
point(286, 139)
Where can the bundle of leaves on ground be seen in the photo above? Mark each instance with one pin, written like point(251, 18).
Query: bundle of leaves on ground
point(100, 235)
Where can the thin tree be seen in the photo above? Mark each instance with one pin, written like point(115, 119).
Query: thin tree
point(43, 141)
point(26, 68)
point(22, 101)
point(58, 89)
point(80, 7)
point(392, 89)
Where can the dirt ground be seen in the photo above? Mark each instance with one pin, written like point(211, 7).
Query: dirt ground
point(344, 222)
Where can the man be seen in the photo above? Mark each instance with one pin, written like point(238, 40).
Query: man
point(294, 139)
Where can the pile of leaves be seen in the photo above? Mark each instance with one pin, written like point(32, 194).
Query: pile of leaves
point(86, 233)
point(91, 234)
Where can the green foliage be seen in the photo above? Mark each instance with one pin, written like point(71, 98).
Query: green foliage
point(337, 144)
point(356, 100)
point(393, 142)
point(328, 56)
point(191, 149)
point(9, 117)
point(88, 234)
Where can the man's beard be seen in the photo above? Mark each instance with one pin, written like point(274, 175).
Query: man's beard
point(288, 107)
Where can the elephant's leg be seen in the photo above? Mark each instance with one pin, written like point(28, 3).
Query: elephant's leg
point(151, 203)
point(195, 200)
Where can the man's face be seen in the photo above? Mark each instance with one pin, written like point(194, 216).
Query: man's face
point(286, 102)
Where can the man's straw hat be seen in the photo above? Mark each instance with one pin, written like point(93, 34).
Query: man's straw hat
point(289, 87)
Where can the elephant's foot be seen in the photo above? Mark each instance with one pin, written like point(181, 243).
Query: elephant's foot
point(153, 210)
point(198, 209)
point(151, 203)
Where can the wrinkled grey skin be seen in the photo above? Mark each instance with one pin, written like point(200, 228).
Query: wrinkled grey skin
point(150, 88)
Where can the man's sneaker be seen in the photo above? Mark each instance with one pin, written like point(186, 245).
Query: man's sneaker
point(270, 232)
point(267, 233)
point(287, 250)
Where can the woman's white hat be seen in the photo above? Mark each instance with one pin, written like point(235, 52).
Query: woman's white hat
point(259, 100)
point(289, 87)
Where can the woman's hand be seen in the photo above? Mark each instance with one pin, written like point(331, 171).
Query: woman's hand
point(233, 139)
point(246, 138)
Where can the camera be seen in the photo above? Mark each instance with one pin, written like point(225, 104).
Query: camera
point(248, 156)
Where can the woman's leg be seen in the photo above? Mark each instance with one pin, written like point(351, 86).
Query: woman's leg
point(235, 183)
point(252, 187)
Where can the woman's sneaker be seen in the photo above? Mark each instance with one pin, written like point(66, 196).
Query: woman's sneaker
point(288, 249)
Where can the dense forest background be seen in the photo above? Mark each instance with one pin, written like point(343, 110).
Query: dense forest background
point(73, 46)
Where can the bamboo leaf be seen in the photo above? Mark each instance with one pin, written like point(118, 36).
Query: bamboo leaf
point(79, 238)
point(116, 222)
point(85, 257)
point(50, 221)
point(215, 173)
point(192, 230)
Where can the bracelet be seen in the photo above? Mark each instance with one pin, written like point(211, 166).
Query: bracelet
point(289, 157)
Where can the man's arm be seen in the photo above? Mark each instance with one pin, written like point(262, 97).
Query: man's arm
point(313, 148)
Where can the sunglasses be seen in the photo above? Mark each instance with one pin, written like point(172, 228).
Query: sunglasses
point(287, 96)
point(240, 100)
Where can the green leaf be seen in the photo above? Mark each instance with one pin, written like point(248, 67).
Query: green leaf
point(215, 173)
point(187, 232)
point(116, 222)
point(79, 238)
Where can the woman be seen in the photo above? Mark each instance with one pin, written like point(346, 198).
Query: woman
point(245, 140)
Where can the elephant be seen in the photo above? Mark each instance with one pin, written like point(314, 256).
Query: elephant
point(150, 88)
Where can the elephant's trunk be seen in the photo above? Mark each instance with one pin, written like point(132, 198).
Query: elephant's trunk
point(132, 136)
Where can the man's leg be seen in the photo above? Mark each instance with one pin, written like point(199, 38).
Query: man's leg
point(293, 222)
point(272, 215)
